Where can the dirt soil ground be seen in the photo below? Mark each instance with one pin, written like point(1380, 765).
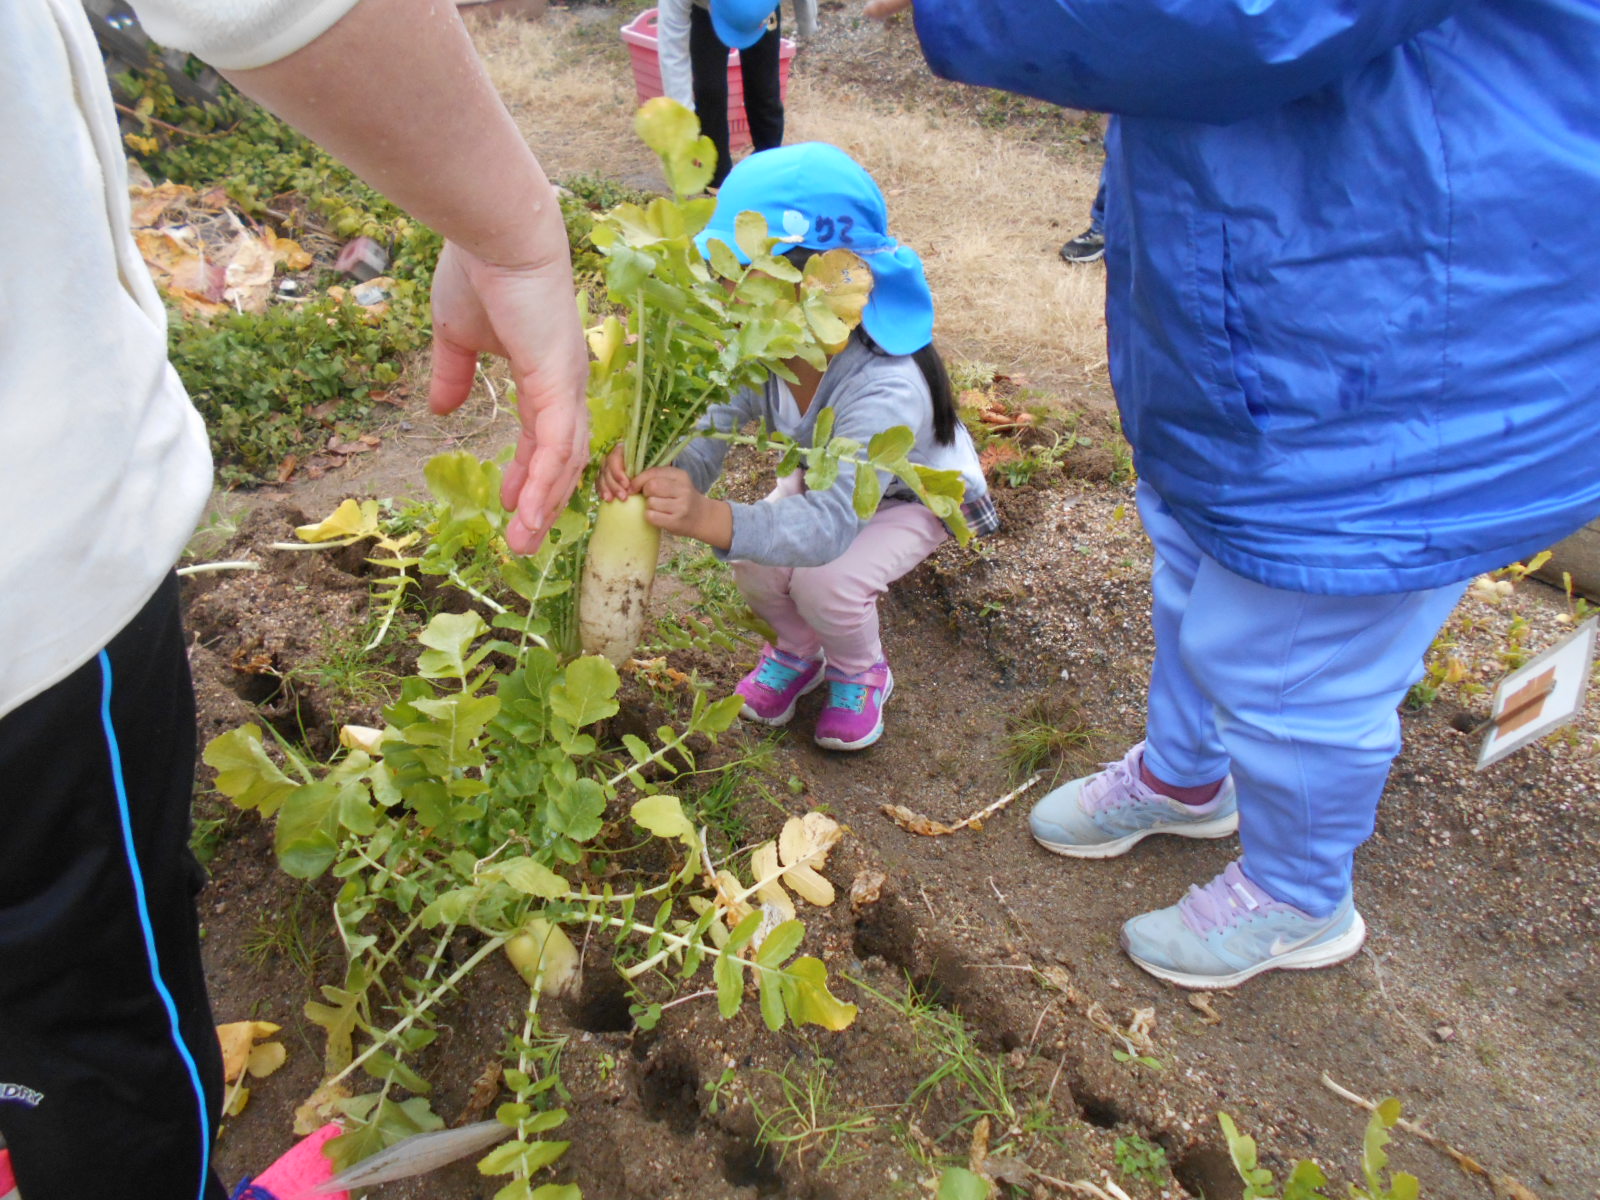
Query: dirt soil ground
point(1476, 1000)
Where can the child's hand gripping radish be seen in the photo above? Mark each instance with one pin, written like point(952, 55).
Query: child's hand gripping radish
point(672, 502)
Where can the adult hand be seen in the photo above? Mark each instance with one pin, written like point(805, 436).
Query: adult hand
point(527, 315)
point(674, 504)
point(882, 10)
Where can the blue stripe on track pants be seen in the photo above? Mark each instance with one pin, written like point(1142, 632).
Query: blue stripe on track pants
point(105, 1031)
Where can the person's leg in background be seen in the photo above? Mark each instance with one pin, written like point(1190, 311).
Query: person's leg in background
point(103, 1012)
point(708, 60)
point(763, 92)
point(1090, 245)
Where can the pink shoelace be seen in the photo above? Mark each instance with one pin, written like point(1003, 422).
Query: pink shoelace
point(1225, 901)
point(1111, 787)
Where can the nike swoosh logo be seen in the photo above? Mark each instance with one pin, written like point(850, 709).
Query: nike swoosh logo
point(1281, 946)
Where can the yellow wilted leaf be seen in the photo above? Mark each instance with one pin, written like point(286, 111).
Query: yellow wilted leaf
point(764, 865)
point(319, 1108)
point(235, 1101)
point(728, 889)
point(808, 999)
point(238, 1042)
point(843, 278)
point(286, 250)
point(351, 520)
point(803, 846)
point(265, 1059)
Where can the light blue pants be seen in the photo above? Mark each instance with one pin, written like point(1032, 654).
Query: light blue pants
point(1295, 693)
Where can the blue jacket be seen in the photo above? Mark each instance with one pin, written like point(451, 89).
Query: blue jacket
point(1353, 265)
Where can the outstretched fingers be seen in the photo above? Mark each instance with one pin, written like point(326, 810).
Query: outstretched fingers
point(545, 471)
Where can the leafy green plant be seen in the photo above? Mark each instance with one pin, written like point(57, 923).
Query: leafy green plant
point(265, 382)
point(481, 808)
point(1307, 1179)
point(1141, 1159)
point(293, 936)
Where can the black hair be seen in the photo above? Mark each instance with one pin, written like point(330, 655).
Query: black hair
point(928, 360)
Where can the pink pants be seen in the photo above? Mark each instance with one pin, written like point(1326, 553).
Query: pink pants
point(833, 609)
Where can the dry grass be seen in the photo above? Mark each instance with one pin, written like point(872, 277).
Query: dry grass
point(986, 208)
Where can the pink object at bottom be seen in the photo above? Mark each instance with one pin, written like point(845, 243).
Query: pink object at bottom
point(296, 1175)
point(8, 1179)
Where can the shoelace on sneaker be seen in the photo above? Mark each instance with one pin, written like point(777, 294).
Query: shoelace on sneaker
point(776, 674)
point(251, 1191)
point(847, 695)
point(1113, 786)
point(1228, 899)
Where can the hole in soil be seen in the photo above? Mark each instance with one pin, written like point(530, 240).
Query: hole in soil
point(886, 931)
point(1100, 1113)
point(258, 688)
point(602, 1004)
point(352, 560)
point(1464, 722)
point(749, 1165)
point(670, 1093)
point(1208, 1172)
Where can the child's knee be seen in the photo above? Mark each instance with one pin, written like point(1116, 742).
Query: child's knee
point(758, 582)
point(829, 601)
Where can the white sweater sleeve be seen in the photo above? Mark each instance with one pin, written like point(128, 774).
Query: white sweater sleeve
point(236, 35)
point(672, 50)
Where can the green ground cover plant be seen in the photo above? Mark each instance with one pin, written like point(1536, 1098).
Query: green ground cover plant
point(275, 383)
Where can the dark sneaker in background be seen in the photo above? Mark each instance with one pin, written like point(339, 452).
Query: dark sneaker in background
point(1088, 246)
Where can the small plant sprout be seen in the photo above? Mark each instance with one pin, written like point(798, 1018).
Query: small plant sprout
point(1308, 1179)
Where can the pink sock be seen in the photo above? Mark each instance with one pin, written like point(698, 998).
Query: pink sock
point(1204, 794)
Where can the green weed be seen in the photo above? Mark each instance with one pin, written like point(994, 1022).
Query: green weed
point(1047, 734)
point(1307, 1179)
point(807, 1119)
point(1141, 1159)
point(296, 937)
point(351, 680)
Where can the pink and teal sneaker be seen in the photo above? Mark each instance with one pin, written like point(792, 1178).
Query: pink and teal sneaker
point(775, 686)
point(852, 719)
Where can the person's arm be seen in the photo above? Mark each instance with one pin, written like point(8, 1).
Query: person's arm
point(672, 50)
point(395, 90)
point(1171, 59)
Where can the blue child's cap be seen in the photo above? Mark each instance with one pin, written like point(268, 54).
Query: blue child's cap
point(740, 23)
point(813, 194)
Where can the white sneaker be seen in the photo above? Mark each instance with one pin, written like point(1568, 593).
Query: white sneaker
point(1231, 930)
point(1108, 813)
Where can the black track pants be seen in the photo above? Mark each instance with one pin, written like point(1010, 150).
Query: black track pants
point(110, 1076)
point(763, 95)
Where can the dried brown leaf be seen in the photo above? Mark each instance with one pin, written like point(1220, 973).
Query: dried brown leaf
point(865, 889)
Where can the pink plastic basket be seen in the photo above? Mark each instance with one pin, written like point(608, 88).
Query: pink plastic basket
point(640, 36)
